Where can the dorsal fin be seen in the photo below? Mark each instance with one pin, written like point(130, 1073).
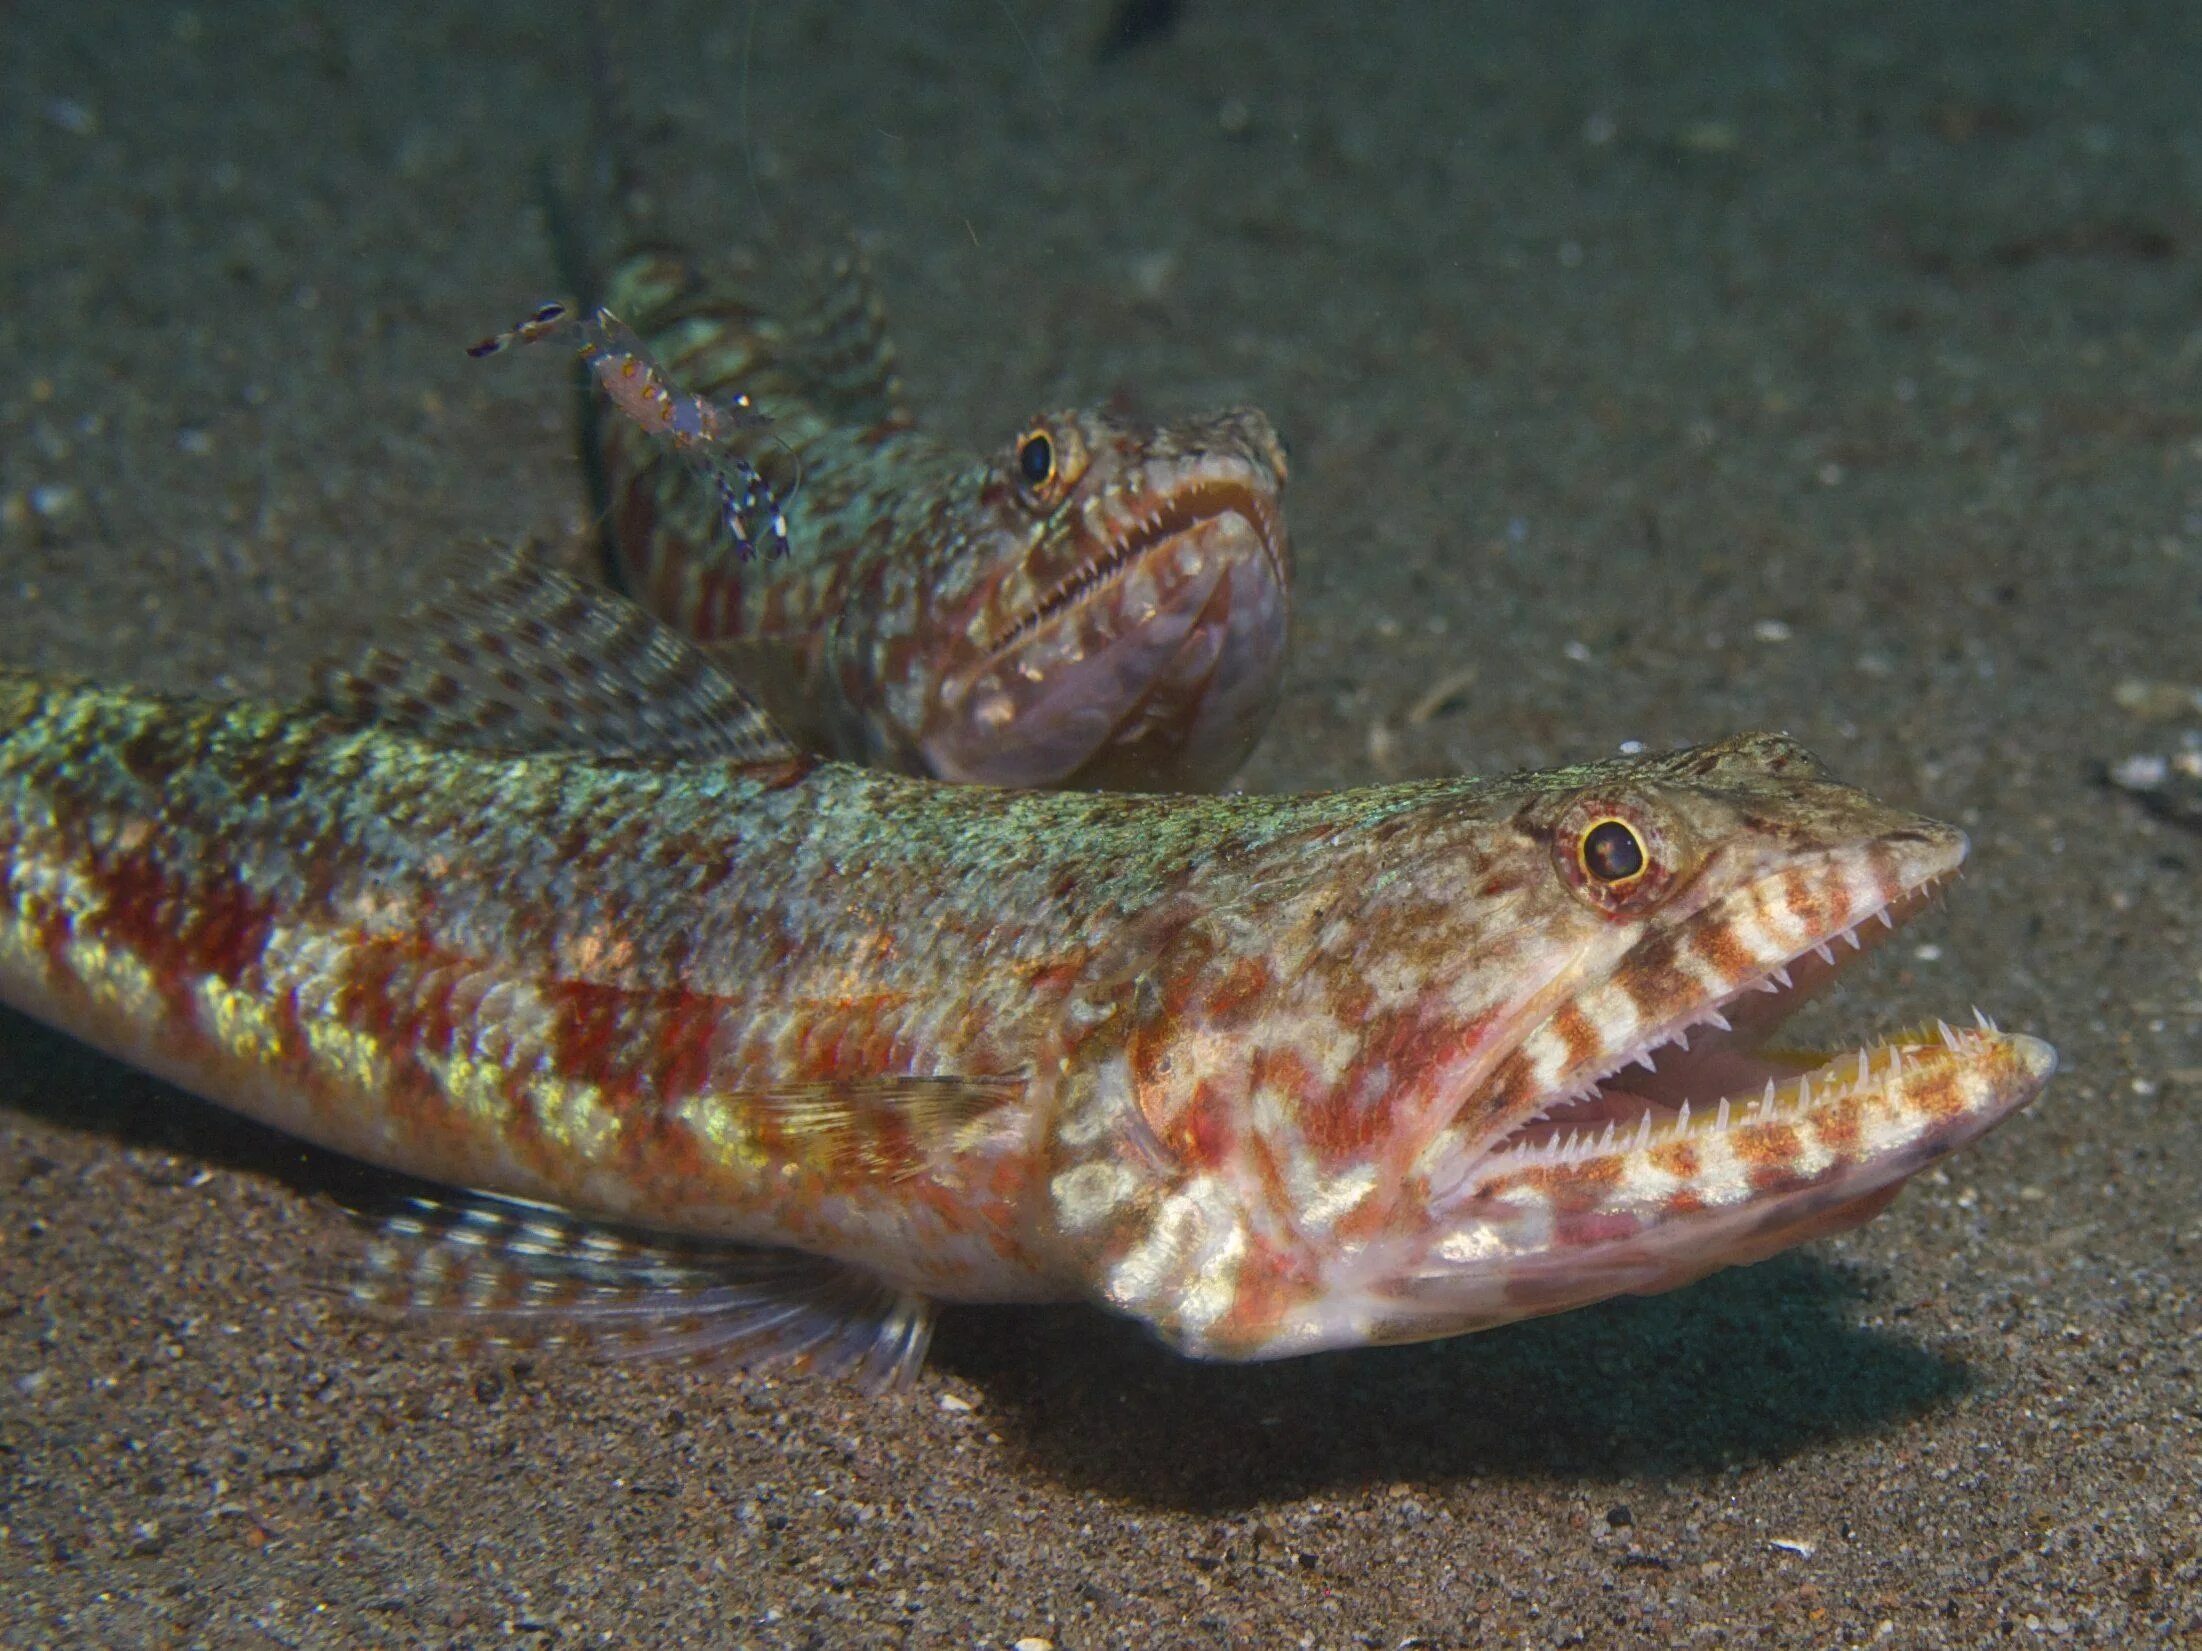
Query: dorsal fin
point(843, 349)
point(529, 659)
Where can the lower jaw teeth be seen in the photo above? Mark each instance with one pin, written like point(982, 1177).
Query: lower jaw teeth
point(1832, 1082)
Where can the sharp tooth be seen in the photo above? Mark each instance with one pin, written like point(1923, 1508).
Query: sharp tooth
point(1826, 956)
point(1643, 1132)
point(1766, 1101)
point(1782, 975)
point(1804, 1096)
point(1605, 1141)
point(1768, 986)
point(1865, 1067)
point(1716, 1018)
point(1985, 1024)
point(1851, 935)
point(1683, 1038)
point(1644, 1060)
point(1949, 1038)
point(1720, 1118)
point(1887, 922)
point(1682, 1119)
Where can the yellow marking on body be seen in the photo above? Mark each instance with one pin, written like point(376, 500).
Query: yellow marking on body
point(243, 1023)
point(353, 1060)
point(730, 1140)
point(480, 1088)
point(115, 977)
point(573, 1115)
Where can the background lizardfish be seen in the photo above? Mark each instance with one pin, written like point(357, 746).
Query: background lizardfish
point(787, 1050)
point(1100, 603)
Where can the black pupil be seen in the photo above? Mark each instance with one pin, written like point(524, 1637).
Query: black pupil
point(1037, 459)
point(1611, 852)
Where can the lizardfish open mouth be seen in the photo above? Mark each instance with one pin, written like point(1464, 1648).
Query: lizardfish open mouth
point(1666, 1138)
point(1167, 545)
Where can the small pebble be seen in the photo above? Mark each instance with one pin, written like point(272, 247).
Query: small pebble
point(2143, 773)
point(1772, 630)
point(959, 1406)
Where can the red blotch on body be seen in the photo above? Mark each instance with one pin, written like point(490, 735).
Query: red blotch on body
point(184, 930)
point(1199, 1135)
point(1233, 997)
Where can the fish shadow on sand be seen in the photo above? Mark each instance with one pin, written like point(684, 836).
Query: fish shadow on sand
point(1751, 1365)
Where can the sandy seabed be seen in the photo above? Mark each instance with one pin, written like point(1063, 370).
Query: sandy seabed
point(1650, 372)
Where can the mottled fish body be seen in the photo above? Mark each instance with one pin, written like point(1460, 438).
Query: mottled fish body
point(540, 906)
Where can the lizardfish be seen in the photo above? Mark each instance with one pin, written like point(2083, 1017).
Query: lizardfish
point(745, 1052)
point(1103, 603)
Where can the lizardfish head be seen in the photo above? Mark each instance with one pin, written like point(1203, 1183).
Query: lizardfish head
point(1126, 627)
point(1460, 1054)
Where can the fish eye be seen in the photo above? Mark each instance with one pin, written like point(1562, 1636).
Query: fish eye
point(1036, 459)
point(1616, 853)
point(1610, 852)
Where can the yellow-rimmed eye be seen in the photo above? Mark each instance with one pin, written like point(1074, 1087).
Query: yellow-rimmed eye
point(1036, 459)
point(1616, 852)
point(1610, 852)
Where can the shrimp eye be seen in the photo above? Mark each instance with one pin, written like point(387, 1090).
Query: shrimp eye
point(1611, 852)
point(1036, 459)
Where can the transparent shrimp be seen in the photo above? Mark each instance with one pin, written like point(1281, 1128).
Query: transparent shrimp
point(699, 428)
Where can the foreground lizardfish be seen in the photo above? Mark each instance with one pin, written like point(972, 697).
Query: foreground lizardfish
point(1103, 603)
point(782, 1051)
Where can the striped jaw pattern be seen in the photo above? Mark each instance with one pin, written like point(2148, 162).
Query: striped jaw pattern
point(1138, 639)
